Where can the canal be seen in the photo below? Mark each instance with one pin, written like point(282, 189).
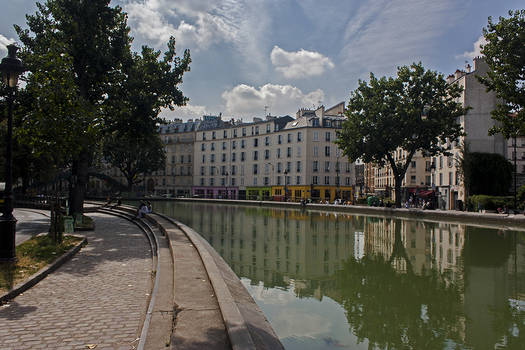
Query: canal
point(329, 280)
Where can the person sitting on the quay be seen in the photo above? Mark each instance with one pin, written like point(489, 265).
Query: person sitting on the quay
point(144, 208)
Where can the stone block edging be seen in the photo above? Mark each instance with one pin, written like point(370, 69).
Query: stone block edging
point(235, 323)
point(43, 272)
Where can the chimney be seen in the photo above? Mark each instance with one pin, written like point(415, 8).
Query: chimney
point(450, 79)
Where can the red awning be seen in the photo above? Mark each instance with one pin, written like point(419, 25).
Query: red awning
point(424, 194)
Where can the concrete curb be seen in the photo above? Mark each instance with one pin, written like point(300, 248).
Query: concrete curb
point(43, 272)
point(235, 323)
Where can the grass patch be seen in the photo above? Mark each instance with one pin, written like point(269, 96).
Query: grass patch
point(32, 255)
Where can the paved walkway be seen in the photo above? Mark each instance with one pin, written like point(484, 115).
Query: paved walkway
point(98, 298)
point(30, 222)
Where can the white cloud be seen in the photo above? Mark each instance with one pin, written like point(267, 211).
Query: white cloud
point(245, 100)
point(476, 52)
point(299, 64)
point(3, 45)
point(185, 112)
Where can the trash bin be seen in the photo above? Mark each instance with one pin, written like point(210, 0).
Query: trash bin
point(68, 224)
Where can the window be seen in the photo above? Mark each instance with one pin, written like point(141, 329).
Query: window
point(213, 146)
point(255, 169)
point(316, 151)
point(233, 157)
point(268, 127)
point(450, 179)
point(327, 151)
point(267, 154)
point(267, 141)
point(315, 122)
point(212, 181)
point(278, 180)
point(202, 171)
point(203, 147)
point(289, 138)
point(255, 142)
point(327, 180)
point(243, 131)
point(234, 144)
point(266, 180)
point(328, 136)
point(298, 180)
point(315, 166)
point(288, 166)
point(223, 181)
point(298, 151)
point(279, 167)
point(204, 136)
point(347, 181)
point(326, 167)
point(413, 178)
point(224, 145)
point(213, 135)
point(315, 180)
point(255, 155)
point(280, 139)
point(289, 152)
point(440, 179)
point(212, 158)
point(224, 157)
point(225, 135)
point(189, 158)
point(256, 130)
point(203, 158)
point(243, 143)
point(223, 170)
point(299, 166)
point(234, 170)
point(242, 156)
point(299, 136)
point(413, 164)
point(316, 134)
point(278, 153)
point(234, 132)
point(233, 181)
point(212, 170)
point(348, 167)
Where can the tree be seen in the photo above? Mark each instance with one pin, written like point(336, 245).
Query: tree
point(79, 57)
point(505, 55)
point(132, 143)
point(134, 155)
point(415, 111)
point(74, 51)
point(479, 171)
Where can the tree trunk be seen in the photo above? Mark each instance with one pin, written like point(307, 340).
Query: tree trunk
point(398, 182)
point(78, 182)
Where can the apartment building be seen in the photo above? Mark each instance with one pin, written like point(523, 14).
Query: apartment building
point(476, 124)
point(278, 158)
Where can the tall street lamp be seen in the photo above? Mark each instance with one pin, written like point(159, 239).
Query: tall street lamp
point(11, 67)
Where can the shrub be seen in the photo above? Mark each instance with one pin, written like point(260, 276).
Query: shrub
point(491, 202)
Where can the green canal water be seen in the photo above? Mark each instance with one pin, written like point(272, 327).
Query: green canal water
point(340, 281)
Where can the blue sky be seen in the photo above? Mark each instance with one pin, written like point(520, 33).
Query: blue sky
point(291, 54)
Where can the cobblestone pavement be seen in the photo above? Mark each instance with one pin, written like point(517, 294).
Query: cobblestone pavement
point(99, 298)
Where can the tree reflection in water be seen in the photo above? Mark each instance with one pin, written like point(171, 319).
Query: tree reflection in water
point(398, 310)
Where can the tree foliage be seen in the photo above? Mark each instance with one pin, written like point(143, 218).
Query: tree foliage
point(486, 173)
point(132, 143)
point(415, 111)
point(85, 83)
point(505, 55)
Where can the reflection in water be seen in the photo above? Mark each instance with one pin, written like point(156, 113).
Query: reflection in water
point(332, 281)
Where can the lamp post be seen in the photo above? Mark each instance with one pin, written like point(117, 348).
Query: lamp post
point(11, 67)
point(285, 185)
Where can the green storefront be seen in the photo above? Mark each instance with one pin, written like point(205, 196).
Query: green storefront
point(259, 193)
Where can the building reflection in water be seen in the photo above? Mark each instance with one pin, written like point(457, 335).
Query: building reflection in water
point(401, 283)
